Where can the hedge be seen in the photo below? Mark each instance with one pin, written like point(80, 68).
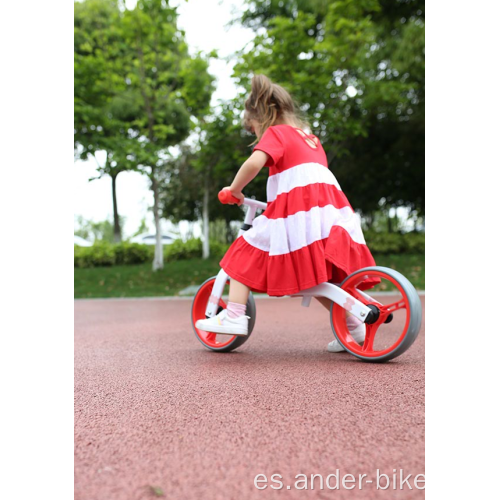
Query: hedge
point(102, 253)
point(395, 243)
point(99, 254)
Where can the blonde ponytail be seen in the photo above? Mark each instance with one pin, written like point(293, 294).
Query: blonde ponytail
point(269, 103)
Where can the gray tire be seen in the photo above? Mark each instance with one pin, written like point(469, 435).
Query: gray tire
point(415, 313)
point(239, 340)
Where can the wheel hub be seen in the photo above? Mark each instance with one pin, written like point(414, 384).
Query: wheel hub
point(373, 315)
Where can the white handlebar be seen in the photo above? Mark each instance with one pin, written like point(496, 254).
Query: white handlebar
point(254, 203)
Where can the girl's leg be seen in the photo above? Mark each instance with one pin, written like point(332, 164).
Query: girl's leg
point(238, 292)
point(238, 297)
point(232, 321)
point(352, 321)
point(354, 325)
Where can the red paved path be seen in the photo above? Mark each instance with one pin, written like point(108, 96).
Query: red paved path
point(155, 408)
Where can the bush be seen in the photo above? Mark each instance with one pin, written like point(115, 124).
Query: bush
point(384, 242)
point(182, 250)
point(100, 253)
point(395, 243)
point(133, 253)
point(107, 254)
point(218, 249)
point(414, 243)
point(193, 249)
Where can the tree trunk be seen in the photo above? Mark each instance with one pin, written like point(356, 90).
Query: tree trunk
point(158, 259)
point(206, 221)
point(117, 230)
point(389, 222)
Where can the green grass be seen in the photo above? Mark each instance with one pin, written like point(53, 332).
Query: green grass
point(411, 266)
point(141, 281)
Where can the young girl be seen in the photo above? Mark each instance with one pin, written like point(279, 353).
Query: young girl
point(307, 235)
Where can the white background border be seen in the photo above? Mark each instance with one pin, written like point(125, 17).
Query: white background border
point(36, 157)
point(462, 178)
point(462, 196)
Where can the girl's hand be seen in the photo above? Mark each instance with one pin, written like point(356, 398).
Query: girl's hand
point(236, 194)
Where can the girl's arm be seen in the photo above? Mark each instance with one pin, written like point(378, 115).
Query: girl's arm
point(248, 172)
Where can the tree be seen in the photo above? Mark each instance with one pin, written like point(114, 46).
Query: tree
point(189, 189)
point(357, 69)
point(99, 83)
point(166, 88)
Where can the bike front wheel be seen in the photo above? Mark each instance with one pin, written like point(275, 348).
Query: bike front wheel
point(215, 341)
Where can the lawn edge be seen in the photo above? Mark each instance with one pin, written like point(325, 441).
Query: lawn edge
point(421, 293)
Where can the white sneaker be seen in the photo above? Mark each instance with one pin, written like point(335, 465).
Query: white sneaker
point(358, 334)
point(225, 325)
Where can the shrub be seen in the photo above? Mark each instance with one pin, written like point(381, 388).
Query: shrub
point(101, 253)
point(218, 249)
point(414, 243)
point(181, 250)
point(384, 242)
point(133, 253)
point(395, 243)
point(192, 249)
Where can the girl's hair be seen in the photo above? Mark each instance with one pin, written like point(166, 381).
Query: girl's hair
point(269, 103)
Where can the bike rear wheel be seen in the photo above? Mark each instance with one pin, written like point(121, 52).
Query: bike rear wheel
point(214, 341)
point(397, 310)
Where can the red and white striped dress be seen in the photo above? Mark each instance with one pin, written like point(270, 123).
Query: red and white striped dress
point(309, 233)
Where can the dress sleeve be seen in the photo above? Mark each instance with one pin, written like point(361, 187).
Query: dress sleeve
point(272, 145)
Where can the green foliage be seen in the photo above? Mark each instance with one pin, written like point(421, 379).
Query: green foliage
point(91, 230)
point(100, 254)
point(99, 56)
point(143, 227)
point(395, 243)
point(103, 253)
point(166, 85)
point(192, 249)
point(210, 164)
point(127, 253)
point(180, 250)
point(218, 249)
point(138, 91)
point(141, 281)
point(357, 68)
point(414, 243)
point(222, 231)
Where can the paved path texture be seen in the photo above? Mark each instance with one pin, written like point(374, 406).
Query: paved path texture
point(159, 416)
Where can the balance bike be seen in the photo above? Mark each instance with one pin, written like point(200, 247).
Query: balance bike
point(393, 301)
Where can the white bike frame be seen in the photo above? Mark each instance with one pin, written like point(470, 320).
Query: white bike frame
point(327, 290)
